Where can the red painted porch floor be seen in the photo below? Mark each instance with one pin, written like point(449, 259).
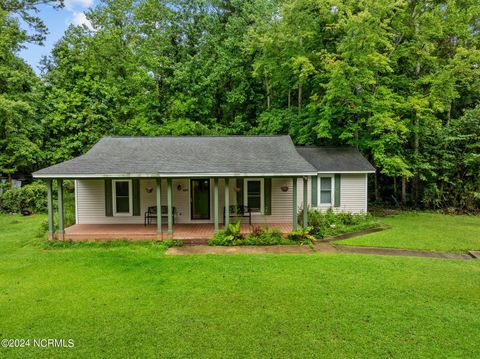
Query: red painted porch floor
point(198, 233)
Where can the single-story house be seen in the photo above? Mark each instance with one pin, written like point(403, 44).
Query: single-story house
point(202, 183)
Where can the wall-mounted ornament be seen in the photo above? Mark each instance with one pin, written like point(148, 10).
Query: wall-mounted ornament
point(179, 187)
point(236, 189)
point(284, 188)
point(149, 189)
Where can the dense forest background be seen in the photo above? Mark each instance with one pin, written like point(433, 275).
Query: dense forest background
point(400, 80)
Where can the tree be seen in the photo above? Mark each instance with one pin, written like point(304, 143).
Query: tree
point(20, 130)
point(394, 79)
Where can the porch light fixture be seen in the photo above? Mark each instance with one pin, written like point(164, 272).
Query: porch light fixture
point(179, 187)
point(284, 188)
point(237, 189)
point(149, 189)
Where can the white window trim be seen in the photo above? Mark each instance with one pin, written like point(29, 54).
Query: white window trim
point(245, 194)
point(114, 198)
point(319, 193)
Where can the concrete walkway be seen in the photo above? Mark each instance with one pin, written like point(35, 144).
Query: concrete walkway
point(400, 252)
point(205, 249)
point(319, 247)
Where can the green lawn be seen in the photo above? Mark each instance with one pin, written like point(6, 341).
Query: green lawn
point(427, 231)
point(134, 301)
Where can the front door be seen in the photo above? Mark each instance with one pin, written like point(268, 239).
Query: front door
point(200, 198)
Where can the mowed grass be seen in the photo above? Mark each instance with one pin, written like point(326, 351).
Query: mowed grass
point(426, 231)
point(134, 301)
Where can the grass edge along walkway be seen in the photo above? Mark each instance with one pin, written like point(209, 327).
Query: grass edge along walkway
point(318, 247)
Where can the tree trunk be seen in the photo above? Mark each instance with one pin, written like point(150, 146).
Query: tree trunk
point(416, 149)
point(404, 191)
point(289, 98)
point(377, 189)
point(299, 97)
point(267, 89)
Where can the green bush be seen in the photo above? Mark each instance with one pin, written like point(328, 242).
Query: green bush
point(265, 236)
point(31, 197)
point(229, 237)
point(302, 236)
point(330, 223)
point(259, 236)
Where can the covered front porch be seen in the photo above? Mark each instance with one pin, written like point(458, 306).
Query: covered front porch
point(190, 233)
point(97, 200)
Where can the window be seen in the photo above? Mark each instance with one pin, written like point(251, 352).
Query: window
point(254, 194)
point(326, 189)
point(122, 197)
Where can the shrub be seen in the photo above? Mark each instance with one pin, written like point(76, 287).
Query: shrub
point(258, 236)
point(265, 236)
point(302, 236)
point(229, 237)
point(30, 197)
point(331, 223)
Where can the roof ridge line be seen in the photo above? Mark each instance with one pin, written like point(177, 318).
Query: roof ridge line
point(201, 136)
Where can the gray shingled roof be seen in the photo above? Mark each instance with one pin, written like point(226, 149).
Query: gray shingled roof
point(335, 159)
point(183, 156)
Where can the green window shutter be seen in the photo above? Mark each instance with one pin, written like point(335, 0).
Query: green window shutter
point(136, 196)
point(267, 196)
point(240, 193)
point(314, 191)
point(338, 178)
point(108, 198)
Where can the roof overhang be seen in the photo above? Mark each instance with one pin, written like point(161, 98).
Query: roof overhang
point(346, 172)
point(171, 175)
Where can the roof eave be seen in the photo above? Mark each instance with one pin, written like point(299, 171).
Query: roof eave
point(170, 175)
point(346, 172)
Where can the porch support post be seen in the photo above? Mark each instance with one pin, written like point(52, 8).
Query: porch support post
point(227, 202)
point(305, 204)
point(215, 204)
point(294, 202)
point(51, 234)
point(159, 205)
point(169, 205)
point(61, 212)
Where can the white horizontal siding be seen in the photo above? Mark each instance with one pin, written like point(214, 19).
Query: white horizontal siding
point(90, 200)
point(353, 195)
point(282, 210)
point(90, 195)
point(91, 204)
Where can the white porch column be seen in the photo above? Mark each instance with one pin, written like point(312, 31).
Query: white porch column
point(227, 202)
point(305, 204)
point(61, 231)
point(159, 205)
point(294, 200)
point(169, 205)
point(51, 225)
point(215, 204)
